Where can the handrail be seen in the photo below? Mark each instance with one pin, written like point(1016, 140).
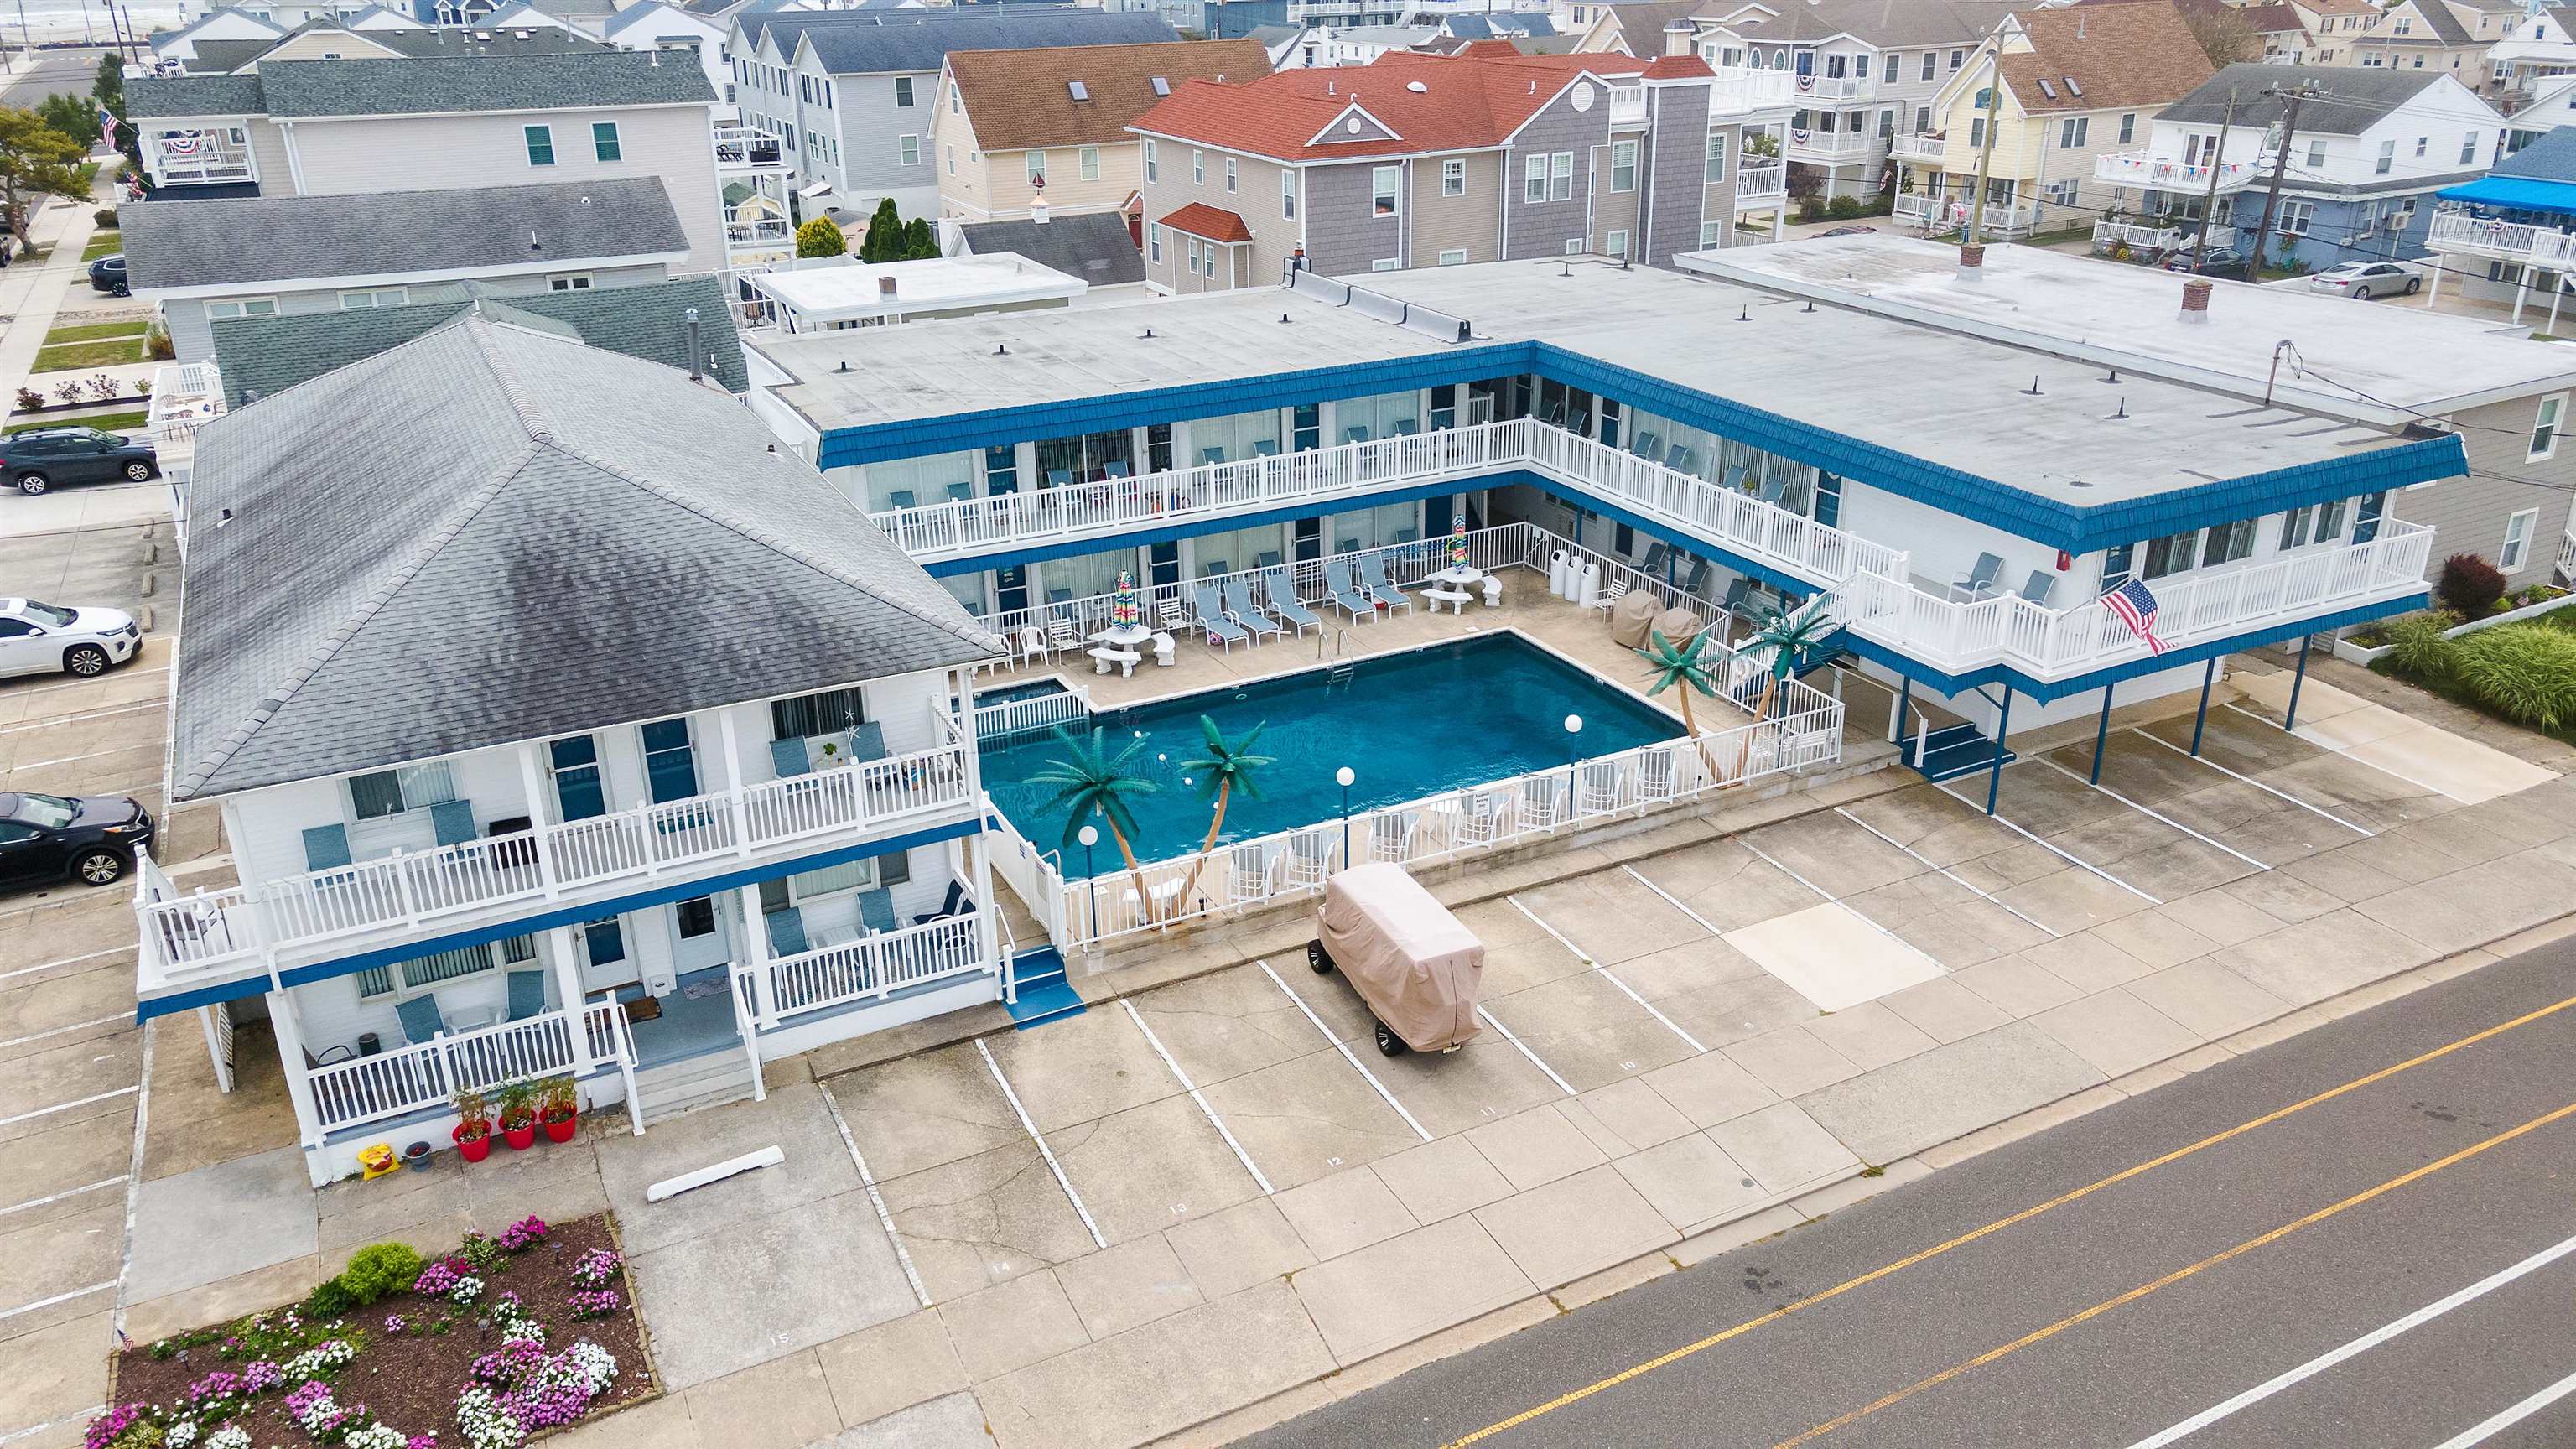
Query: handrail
point(870, 968)
point(424, 1074)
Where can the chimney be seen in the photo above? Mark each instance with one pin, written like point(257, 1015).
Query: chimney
point(886, 288)
point(2195, 300)
point(1677, 38)
point(1038, 209)
point(695, 372)
point(1972, 262)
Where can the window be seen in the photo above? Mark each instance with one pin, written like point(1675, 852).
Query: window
point(2170, 554)
point(908, 150)
point(242, 307)
point(1713, 170)
point(1193, 254)
point(603, 141)
point(1453, 177)
point(1154, 244)
point(1089, 157)
point(2469, 149)
point(568, 282)
point(2062, 192)
point(391, 792)
point(1886, 122)
point(2070, 133)
point(1229, 173)
point(826, 712)
point(541, 145)
point(1454, 257)
point(2295, 217)
point(2544, 428)
point(903, 90)
point(670, 766)
point(1534, 180)
point(1386, 264)
point(1574, 246)
point(1977, 133)
point(1623, 166)
point(1288, 194)
point(1560, 176)
point(2517, 541)
point(1198, 168)
point(1619, 243)
point(2316, 152)
point(1151, 172)
point(1712, 234)
point(2128, 127)
point(1929, 58)
point(424, 972)
point(1383, 200)
point(2294, 527)
point(2387, 157)
point(1958, 58)
point(1207, 261)
point(1890, 72)
point(952, 160)
point(373, 297)
point(2227, 542)
point(1922, 119)
point(1035, 162)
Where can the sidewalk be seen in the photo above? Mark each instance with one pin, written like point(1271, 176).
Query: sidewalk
point(32, 295)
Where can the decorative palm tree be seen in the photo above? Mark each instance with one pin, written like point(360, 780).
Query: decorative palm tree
point(1787, 635)
point(1683, 665)
point(1090, 781)
point(1229, 765)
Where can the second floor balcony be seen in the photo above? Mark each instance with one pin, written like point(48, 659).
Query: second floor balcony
point(1761, 182)
point(199, 156)
point(1922, 148)
point(1830, 148)
point(2173, 173)
point(1949, 213)
point(744, 148)
point(762, 234)
point(1832, 89)
point(2532, 246)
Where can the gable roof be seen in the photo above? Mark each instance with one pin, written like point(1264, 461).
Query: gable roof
point(152, 97)
point(164, 39)
point(2279, 17)
point(1882, 23)
point(1474, 98)
point(481, 82)
point(2115, 56)
point(264, 356)
point(1023, 99)
point(459, 543)
point(2362, 95)
point(226, 56)
point(1642, 25)
point(1212, 223)
point(2435, 14)
point(1093, 246)
point(869, 42)
point(257, 239)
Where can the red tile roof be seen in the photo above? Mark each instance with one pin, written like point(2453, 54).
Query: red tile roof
point(1475, 98)
point(1214, 223)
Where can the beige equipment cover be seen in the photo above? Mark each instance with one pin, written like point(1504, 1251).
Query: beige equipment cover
point(1631, 617)
point(1408, 958)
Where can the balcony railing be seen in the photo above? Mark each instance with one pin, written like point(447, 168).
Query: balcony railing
point(1945, 213)
point(1956, 636)
point(1829, 146)
point(185, 396)
point(1923, 148)
point(742, 148)
point(1828, 88)
point(2538, 246)
point(1744, 88)
point(2164, 173)
point(755, 235)
point(188, 938)
point(1762, 183)
point(2154, 238)
point(426, 1074)
point(870, 968)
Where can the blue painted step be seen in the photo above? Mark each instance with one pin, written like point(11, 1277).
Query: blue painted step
point(1952, 751)
point(1043, 994)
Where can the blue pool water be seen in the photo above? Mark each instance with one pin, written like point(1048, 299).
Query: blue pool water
point(1409, 725)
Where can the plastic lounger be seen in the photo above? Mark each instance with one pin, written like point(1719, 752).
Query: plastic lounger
point(420, 1019)
point(527, 994)
point(1212, 619)
point(1346, 595)
point(1283, 602)
point(876, 909)
point(1380, 588)
point(1239, 606)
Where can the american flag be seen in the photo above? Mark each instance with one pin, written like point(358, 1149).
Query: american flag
point(2135, 605)
point(106, 127)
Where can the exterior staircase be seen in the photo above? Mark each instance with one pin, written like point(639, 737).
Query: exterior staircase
point(1952, 751)
point(1043, 996)
point(709, 1079)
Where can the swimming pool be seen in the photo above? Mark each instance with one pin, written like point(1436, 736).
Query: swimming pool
point(1409, 725)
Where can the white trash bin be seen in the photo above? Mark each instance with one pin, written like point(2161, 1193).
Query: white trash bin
point(1589, 589)
point(1559, 570)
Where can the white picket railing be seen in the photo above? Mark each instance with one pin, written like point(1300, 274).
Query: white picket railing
point(186, 934)
point(1760, 182)
point(426, 1074)
point(1004, 718)
point(871, 968)
point(2166, 173)
point(2541, 246)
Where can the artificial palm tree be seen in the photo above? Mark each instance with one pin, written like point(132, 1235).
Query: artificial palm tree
point(1089, 781)
point(1229, 765)
point(1788, 635)
point(1685, 666)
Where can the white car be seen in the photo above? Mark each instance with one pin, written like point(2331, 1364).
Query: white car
point(2368, 279)
point(40, 638)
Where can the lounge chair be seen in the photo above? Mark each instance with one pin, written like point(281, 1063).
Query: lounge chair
point(876, 910)
point(1736, 593)
point(1212, 620)
point(1609, 598)
point(2040, 585)
point(1407, 534)
point(1211, 456)
point(452, 821)
point(326, 847)
point(1648, 445)
point(1283, 602)
point(1773, 489)
point(1980, 580)
point(787, 757)
point(1059, 596)
point(867, 742)
point(1237, 594)
point(527, 994)
point(1355, 434)
point(960, 492)
point(1406, 427)
point(1267, 559)
point(1682, 459)
point(1346, 594)
point(1656, 555)
point(1059, 478)
point(1380, 588)
point(1114, 469)
point(1737, 476)
point(901, 498)
point(1265, 448)
point(953, 905)
point(1698, 576)
point(786, 928)
point(1211, 568)
point(420, 1019)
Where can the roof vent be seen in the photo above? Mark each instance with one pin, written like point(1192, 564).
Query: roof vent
point(2073, 89)
point(1162, 87)
point(1080, 91)
point(1417, 87)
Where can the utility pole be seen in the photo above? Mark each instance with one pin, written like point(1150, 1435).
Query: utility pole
point(1986, 153)
point(2209, 199)
point(2280, 163)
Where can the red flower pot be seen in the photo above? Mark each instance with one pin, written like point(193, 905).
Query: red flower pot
point(520, 1138)
point(472, 1149)
point(561, 1131)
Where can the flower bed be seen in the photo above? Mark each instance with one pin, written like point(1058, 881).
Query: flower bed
point(506, 1337)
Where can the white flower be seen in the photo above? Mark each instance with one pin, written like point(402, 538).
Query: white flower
point(231, 1436)
point(376, 1436)
point(597, 1365)
point(467, 1289)
point(181, 1434)
point(486, 1424)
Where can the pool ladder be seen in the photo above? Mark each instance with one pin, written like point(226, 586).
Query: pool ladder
point(1342, 669)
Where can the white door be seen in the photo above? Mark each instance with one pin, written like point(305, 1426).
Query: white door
point(607, 957)
point(23, 650)
point(697, 936)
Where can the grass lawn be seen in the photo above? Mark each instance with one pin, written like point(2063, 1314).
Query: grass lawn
point(101, 244)
point(82, 356)
point(134, 326)
point(110, 422)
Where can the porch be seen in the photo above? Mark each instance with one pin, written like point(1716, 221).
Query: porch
point(210, 155)
point(2165, 173)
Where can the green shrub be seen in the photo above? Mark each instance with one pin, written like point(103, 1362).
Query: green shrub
point(2417, 647)
point(2523, 674)
point(378, 1269)
point(330, 1300)
point(483, 1253)
point(820, 238)
point(1842, 208)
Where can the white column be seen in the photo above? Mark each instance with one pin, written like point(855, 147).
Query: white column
point(987, 910)
point(2433, 293)
point(565, 960)
point(2557, 289)
point(730, 777)
point(532, 779)
point(755, 954)
point(288, 1026)
point(2521, 289)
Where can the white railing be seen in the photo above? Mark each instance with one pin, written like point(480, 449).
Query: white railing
point(1944, 213)
point(2157, 236)
point(1823, 88)
point(1830, 145)
point(2566, 567)
point(2540, 246)
point(871, 968)
point(1627, 105)
point(1955, 636)
point(1004, 718)
point(766, 232)
point(1749, 89)
point(1762, 182)
point(185, 936)
point(207, 161)
point(426, 1074)
point(185, 396)
point(2145, 168)
point(1921, 147)
point(745, 148)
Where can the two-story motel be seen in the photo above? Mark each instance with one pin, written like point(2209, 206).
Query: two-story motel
point(533, 684)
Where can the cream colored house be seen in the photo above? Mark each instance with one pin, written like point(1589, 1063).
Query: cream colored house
point(1009, 126)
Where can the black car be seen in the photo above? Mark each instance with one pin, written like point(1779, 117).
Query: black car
point(91, 839)
point(2214, 262)
point(39, 458)
point(107, 274)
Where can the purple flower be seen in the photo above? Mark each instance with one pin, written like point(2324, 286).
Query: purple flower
point(260, 1376)
point(435, 1280)
point(221, 1384)
point(107, 1428)
point(594, 1302)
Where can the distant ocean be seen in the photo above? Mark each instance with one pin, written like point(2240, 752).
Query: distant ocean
point(74, 19)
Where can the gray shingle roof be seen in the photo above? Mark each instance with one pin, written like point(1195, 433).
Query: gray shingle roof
point(2363, 94)
point(217, 57)
point(148, 97)
point(481, 83)
point(2551, 158)
point(264, 356)
point(869, 42)
point(1094, 246)
point(383, 233)
point(488, 535)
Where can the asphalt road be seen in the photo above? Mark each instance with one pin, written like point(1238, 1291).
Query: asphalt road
point(63, 72)
point(2118, 1315)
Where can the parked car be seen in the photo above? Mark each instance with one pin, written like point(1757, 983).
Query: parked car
point(91, 838)
point(41, 638)
point(107, 274)
point(2214, 262)
point(39, 458)
point(2368, 279)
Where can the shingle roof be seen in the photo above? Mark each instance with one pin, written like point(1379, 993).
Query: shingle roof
point(2363, 94)
point(488, 535)
point(1883, 23)
point(2436, 16)
point(1023, 99)
point(1094, 246)
point(151, 97)
point(2277, 18)
point(1474, 98)
point(224, 56)
point(385, 233)
point(868, 42)
point(2550, 158)
point(1642, 25)
point(2116, 55)
point(481, 82)
point(1211, 222)
point(264, 356)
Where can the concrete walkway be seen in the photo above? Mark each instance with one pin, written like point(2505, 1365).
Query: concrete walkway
point(32, 295)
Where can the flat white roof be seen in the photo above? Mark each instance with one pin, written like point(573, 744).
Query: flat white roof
point(2380, 362)
point(856, 290)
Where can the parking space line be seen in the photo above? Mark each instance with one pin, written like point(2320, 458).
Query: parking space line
point(67, 1106)
point(1608, 975)
point(134, 1174)
point(1349, 1056)
point(69, 759)
point(1673, 901)
point(1829, 897)
point(2051, 849)
point(868, 1180)
point(1982, 894)
point(2257, 784)
point(2338, 750)
point(64, 719)
point(1497, 1023)
point(1193, 1089)
point(77, 683)
point(2486, 1429)
point(37, 1202)
point(2152, 813)
point(57, 1298)
point(121, 1016)
point(64, 961)
point(1044, 1151)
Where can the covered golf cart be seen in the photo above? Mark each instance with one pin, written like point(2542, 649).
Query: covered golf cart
point(1410, 960)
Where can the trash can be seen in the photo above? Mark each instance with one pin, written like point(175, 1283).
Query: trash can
point(1556, 574)
point(368, 1045)
point(1589, 587)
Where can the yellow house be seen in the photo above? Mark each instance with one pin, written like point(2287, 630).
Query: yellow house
point(2073, 84)
point(1011, 125)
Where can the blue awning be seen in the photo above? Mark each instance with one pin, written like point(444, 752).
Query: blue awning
point(2519, 193)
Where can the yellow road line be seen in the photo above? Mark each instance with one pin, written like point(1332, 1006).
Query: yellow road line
point(1576, 1396)
point(2177, 1275)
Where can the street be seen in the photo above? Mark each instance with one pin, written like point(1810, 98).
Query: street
point(2180, 1268)
point(55, 72)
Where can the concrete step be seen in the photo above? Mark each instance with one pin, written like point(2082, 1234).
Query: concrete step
point(710, 1079)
